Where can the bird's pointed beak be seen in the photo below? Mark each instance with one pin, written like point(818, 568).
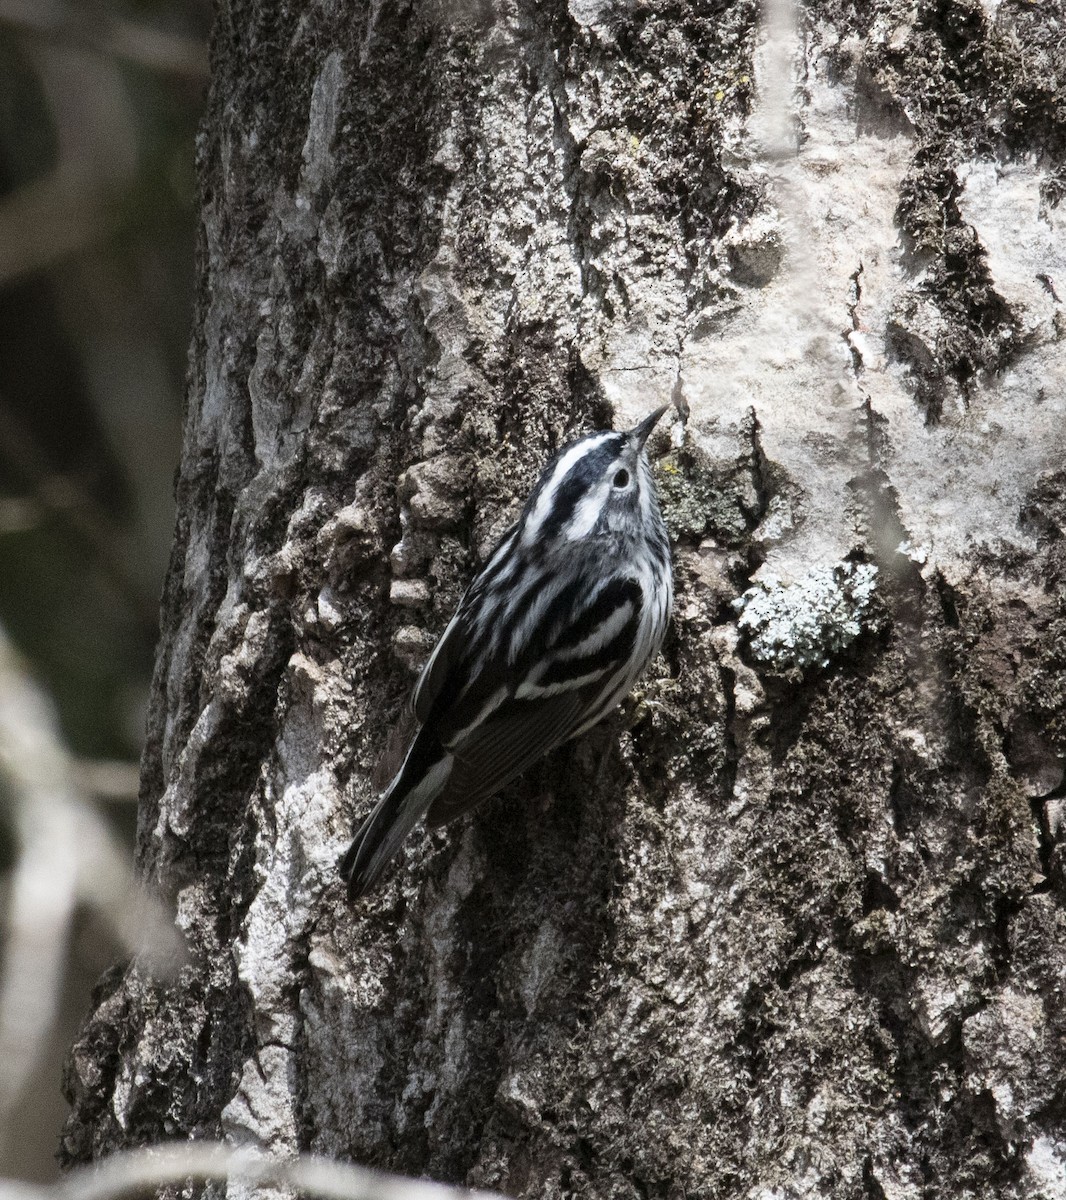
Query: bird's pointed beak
point(639, 434)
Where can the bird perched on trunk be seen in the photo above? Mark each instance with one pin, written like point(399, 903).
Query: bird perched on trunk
point(548, 638)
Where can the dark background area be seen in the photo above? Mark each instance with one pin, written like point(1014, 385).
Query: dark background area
point(99, 103)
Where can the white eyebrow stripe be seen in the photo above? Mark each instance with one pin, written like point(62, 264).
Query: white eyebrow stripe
point(543, 507)
point(588, 511)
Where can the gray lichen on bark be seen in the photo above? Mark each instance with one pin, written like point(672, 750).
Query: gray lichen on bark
point(766, 932)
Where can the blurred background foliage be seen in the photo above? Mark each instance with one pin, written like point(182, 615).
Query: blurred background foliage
point(99, 103)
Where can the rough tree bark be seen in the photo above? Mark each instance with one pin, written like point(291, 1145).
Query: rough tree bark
point(791, 923)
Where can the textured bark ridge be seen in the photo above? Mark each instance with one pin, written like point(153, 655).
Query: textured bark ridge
point(791, 923)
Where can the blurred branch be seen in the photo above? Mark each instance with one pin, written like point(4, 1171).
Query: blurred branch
point(76, 205)
point(142, 1170)
point(66, 855)
point(41, 900)
point(115, 782)
point(168, 53)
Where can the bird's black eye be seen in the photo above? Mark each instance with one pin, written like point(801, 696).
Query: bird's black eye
point(621, 480)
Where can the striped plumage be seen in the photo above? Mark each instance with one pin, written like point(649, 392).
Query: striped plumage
point(548, 638)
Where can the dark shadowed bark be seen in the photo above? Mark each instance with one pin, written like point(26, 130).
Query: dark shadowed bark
point(791, 922)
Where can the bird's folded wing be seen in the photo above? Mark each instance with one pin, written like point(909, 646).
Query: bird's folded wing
point(445, 670)
point(514, 736)
point(434, 673)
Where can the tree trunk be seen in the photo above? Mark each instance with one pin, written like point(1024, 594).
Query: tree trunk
point(790, 923)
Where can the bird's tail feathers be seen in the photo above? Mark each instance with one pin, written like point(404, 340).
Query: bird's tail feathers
point(395, 815)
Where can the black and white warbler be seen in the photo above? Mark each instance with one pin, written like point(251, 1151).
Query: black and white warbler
point(548, 638)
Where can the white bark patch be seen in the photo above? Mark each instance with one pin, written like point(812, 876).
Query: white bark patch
point(295, 855)
point(210, 420)
point(954, 492)
point(783, 350)
point(268, 408)
point(178, 801)
point(589, 12)
point(322, 124)
point(807, 346)
point(539, 965)
point(1024, 241)
point(1045, 1166)
point(261, 1113)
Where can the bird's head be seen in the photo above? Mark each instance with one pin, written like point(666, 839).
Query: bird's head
point(599, 484)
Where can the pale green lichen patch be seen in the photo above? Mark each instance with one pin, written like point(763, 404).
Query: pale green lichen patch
point(806, 623)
